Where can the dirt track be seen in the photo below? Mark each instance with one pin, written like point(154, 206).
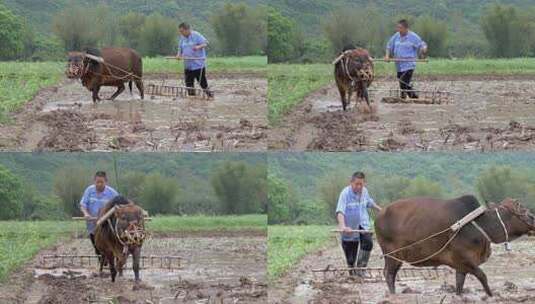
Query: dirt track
point(487, 114)
point(511, 278)
point(217, 268)
point(63, 118)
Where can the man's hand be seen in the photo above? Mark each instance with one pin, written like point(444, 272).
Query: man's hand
point(345, 229)
point(89, 218)
point(387, 58)
point(178, 57)
point(423, 53)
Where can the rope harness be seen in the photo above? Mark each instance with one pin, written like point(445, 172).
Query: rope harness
point(455, 228)
point(364, 74)
point(134, 235)
point(80, 70)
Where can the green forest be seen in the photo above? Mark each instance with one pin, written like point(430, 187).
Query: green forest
point(44, 30)
point(304, 187)
point(49, 185)
point(313, 31)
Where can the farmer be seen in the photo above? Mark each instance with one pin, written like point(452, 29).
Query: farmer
point(192, 48)
point(405, 44)
point(352, 214)
point(94, 198)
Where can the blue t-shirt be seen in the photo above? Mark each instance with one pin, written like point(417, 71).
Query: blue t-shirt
point(93, 202)
point(354, 208)
point(185, 49)
point(406, 46)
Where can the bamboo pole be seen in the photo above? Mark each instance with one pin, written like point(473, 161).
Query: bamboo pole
point(353, 230)
point(184, 58)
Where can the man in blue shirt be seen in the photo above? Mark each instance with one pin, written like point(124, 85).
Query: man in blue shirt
point(94, 198)
point(405, 44)
point(352, 214)
point(192, 49)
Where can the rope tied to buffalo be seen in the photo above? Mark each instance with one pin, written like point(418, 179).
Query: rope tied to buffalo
point(455, 228)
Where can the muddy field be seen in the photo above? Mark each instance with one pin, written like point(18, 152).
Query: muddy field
point(217, 268)
point(511, 277)
point(485, 114)
point(64, 118)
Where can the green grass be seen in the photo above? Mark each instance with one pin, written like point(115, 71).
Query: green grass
point(20, 81)
point(206, 223)
point(288, 244)
point(256, 64)
point(289, 84)
point(21, 240)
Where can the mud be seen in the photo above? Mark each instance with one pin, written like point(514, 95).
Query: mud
point(493, 114)
point(511, 277)
point(63, 118)
point(222, 269)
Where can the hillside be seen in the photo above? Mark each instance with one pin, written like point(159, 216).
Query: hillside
point(190, 169)
point(309, 13)
point(40, 13)
point(456, 172)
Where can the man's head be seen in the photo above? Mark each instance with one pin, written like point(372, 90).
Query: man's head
point(100, 180)
point(358, 181)
point(402, 27)
point(184, 29)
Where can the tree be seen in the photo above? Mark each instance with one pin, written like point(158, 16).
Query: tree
point(158, 36)
point(69, 185)
point(240, 29)
point(366, 28)
point(330, 187)
point(240, 187)
point(12, 32)
point(499, 26)
point(132, 185)
point(435, 33)
point(130, 26)
point(159, 194)
point(278, 201)
point(11, 193)
point(499, 182)
point(421, 186)
point(285, 41)
point(77, 28)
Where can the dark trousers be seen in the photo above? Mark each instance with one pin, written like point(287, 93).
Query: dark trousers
point(92, 238)
point(191, 75)
point(405, 84)
point(351, 248)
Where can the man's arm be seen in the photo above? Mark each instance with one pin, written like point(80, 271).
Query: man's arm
point(201, 42)
point(340, 213)
point(371, 203)
point(421, 46)
point(389, 46)
point(83, 204)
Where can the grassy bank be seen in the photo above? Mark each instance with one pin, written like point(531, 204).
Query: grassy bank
point(288, 244)
point(290, 83)
point(21, 240)
point(20, 81)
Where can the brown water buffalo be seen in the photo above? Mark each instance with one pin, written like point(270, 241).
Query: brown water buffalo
point(353, 72)
point(120, 231)
point(409, 220)
point(120, 65)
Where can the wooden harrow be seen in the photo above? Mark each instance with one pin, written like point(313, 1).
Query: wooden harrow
point(375, 274)
point(153, 89)
point(425, 96)
point(169, 263)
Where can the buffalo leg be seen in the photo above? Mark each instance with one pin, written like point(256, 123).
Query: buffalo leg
point(139, 85)
point(113, 270)
point(482, 277)
point(343, 95)
point(391, 270)
point(95, 91)
point(136, 256)
point(365, 94)
point(120, 89)
point(459, 281)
